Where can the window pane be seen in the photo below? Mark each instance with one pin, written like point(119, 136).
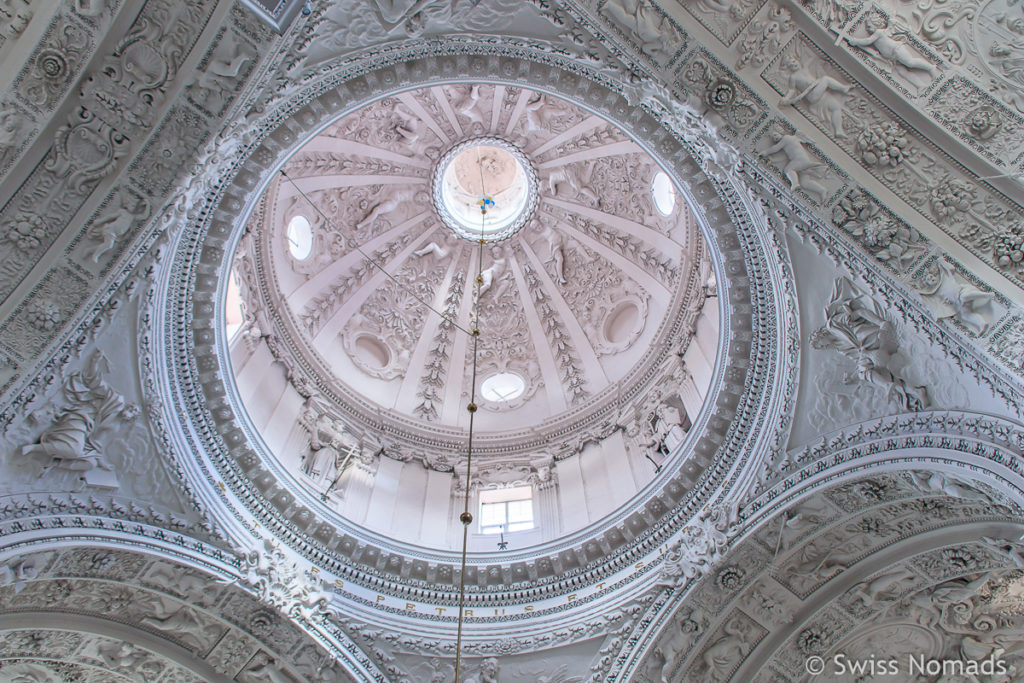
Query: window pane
point(492, 513)
point(520, 511)
point(509, 509)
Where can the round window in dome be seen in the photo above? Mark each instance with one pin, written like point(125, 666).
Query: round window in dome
point(486, 174)
point(300, 237)
point(503, 386)
point(664, 194)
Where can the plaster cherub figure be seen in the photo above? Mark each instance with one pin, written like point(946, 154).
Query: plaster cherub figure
point(890, 49)
point(108, 229)
point(801, 169)
point(493, 276)
point(823, 94)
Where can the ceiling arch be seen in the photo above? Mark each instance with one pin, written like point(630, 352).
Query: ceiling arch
point(884, 200)
point(887, 519)
point(89, 612)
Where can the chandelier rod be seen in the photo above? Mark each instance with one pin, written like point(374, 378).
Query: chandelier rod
point(466, 517)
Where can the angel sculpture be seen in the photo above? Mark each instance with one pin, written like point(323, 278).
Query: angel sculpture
point(801, 169)
point(70, 443)
point(962, 301)
point(823, 94)
point(881, 41)
point(856, 326)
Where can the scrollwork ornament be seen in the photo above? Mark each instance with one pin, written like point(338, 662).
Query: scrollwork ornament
point(54, 65)
point(720, 93)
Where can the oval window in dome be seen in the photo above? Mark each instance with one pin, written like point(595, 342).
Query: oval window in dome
point(300, 237)
point(503, 386)
point(664, 194)
point(622, 323)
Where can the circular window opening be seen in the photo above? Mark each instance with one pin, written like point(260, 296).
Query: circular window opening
point(664, 194)
point(484, 174)
point(300, 237)
point(504, 386)
point(372, 352)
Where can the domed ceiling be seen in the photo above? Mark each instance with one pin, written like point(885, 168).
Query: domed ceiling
point(369, 249)
point(836, 472)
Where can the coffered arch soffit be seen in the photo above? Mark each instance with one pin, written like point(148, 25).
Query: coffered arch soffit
point(111, 605)
point(938, 491)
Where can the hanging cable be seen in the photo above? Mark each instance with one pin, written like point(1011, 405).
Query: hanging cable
point(466, 517)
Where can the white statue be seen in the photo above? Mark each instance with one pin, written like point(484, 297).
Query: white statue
point(469, 105)
point(933, 481)
point(534, 116)
point(823, 94)
point(11, 123)
point(801, 169)
point(856, 327)
point(722, 656)
point(687, 627)
point(668, 428)
point(108, 229)
point(268, 671)
point(575, 177)
point(223, 70)
point(394, 197)
point(120, 655)
point(17, 573)
point(651, 29)
point(328, 441)
point(70, 442)
point(184, 625)
point(887, 584)
point(394, 13)
point(488, 672)
point(494, 275)
point(556, 249)
point(409, 125)
point(30, 672)
point(890, 49)
point(932, 604)
point(963, 301)
point(799, 520)
point(823, 557)
point(434, 248)
point(1005, 550)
